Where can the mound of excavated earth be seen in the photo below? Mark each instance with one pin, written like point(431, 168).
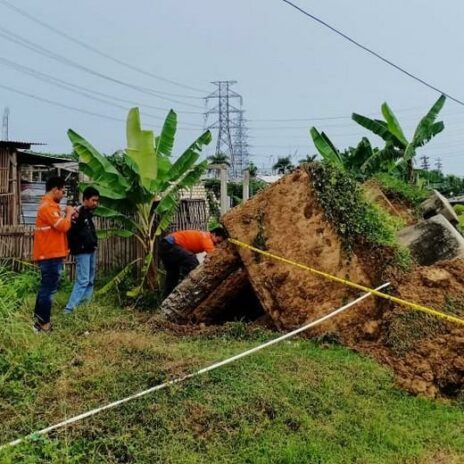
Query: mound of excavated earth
point(426, 353)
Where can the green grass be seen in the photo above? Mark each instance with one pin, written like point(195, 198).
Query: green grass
point(296, 402)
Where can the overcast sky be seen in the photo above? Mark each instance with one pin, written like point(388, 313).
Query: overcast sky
point(286, 67)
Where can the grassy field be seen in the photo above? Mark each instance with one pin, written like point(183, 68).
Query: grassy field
point(296, 402)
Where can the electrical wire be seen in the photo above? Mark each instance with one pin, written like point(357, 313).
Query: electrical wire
point(18, 40)
point(72, 108)
point(94, 49)
point(80, 90)
point(372, 52)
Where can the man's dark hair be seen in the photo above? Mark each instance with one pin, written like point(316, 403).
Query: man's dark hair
point(220, 232)
point(53, 182)
point(90, 192)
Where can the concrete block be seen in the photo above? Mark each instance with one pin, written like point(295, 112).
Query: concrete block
point(433, 240)
point(438, 204)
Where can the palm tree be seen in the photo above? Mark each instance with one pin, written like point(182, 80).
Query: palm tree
point(307, 159)
point(252, 169)
point(219, 158)
point(283, 165)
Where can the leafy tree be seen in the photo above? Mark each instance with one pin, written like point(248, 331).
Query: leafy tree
point(361, 161)
point(252, 169)
point(396, 157)
point(307, 159)
point(139, 189)
point(396, 142)
point(219, 158)
point(283, 165)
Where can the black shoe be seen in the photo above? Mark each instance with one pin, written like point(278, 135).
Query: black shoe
point(38, 328)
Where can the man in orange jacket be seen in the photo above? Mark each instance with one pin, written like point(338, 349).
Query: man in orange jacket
point(178, 252)
point(50, 248)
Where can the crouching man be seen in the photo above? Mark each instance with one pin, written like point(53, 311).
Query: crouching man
point(82, 239)
point(178, 252)
point(50, 248)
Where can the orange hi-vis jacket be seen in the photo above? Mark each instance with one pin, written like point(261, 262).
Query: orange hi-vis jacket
point(50, 239)
point(194, 241)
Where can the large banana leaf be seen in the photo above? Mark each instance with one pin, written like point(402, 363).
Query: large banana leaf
point(140, 149)
point(427, 127)
point(167, 206)
point(184, 163)
point(107, 233)
point(103, 190)
point(325, 147)
point(376, 126)
point(103, 211)
point(358, 156)
point(165, 142)
point(393, 124)
point(98, 167)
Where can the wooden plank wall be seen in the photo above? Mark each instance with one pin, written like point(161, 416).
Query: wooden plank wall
point(4, 171)
point(113, 253)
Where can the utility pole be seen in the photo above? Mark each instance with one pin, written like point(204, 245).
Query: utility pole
point(439, 165)
point(226, 123)
point(425, 163)
point(6, 115)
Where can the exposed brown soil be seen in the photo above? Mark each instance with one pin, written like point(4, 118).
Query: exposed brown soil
point(287, 220)
point(426, 353)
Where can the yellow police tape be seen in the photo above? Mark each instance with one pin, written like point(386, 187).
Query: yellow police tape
point(415, 306)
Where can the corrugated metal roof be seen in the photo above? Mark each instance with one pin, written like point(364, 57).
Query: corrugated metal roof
point(32, 157)
point(18, 144)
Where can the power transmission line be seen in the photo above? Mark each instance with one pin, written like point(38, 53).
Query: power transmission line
point(61, 105)
point(372, 52)
point(80, 90)
point(94, 49)
point(10, 36)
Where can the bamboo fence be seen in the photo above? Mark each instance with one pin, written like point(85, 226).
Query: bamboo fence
point(113, 253)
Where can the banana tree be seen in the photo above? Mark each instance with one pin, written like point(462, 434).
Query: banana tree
point(396, 143)
point(361, 161)
point(140, 191)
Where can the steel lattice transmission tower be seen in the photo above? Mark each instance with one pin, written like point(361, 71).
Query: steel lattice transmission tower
point(226, 123)
point(240, 141)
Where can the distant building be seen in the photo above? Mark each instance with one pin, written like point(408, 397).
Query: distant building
point(22, 179)
point(270, 179)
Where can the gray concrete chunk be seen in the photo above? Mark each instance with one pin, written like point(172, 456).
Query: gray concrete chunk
point(438, 204)
point(433, 240)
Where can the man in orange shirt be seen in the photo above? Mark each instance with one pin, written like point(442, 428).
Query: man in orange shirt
point(178, 252)
point(50, 248)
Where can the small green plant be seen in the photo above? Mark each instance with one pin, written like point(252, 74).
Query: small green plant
point(359, 223)
point(395, 188)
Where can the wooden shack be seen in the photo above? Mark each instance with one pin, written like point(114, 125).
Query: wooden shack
point(23, 171)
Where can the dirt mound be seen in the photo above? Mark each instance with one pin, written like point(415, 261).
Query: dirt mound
point(426, 353)
point(285, 219)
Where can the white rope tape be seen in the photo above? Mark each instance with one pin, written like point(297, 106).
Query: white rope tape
point(194, 374)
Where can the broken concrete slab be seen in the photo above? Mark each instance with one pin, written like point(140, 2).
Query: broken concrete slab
point(438, 204)
point(433, 240)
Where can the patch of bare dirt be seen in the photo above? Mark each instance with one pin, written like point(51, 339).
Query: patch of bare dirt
point(426, 353)
point(285, 220)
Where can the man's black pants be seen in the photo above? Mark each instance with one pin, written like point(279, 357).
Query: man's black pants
point(178, 263)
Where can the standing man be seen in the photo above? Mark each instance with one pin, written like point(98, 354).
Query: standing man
point(178, 250)
point(50, 248)
point(83, 244)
